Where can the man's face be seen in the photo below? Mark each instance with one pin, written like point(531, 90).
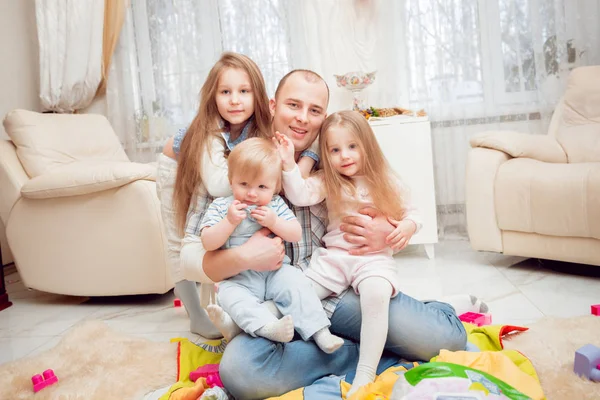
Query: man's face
point(299, 110)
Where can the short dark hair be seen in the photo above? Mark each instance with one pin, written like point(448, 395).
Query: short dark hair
point(309, 76)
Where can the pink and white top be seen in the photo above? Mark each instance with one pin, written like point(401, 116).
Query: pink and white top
point(310, 191)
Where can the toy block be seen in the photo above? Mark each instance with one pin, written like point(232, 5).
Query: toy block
point(596, 309)
point(476, 318)
point(214, 380)
point(176, 303)
point(40, 382)
point(204, 371)
point(587, 359)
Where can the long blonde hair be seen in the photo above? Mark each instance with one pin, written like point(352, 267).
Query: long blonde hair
point(380, 179)
point(254, 157)
point(206, 125)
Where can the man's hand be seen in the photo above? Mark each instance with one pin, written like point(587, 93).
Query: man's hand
point(236, 213)
point(400, 237)
point(265, 216)
point(262, 252)
point(370, 234)
point(286, 151)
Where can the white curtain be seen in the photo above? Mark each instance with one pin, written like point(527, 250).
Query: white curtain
point(70, 42)
point(473, 65)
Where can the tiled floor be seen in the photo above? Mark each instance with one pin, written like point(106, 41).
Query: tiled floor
point(518, 291)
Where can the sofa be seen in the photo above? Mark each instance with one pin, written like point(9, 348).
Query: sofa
point(80, 217)
point(539, 195)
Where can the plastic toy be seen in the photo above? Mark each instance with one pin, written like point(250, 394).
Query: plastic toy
point(596, 309)
point(587, 359)
point(40, 382)
point(476, 318)
point(210, 372)
point(176, 303)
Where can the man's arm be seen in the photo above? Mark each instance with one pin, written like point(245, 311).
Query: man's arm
point(371, 234)
point(259, 253)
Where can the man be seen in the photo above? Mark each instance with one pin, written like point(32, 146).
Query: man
point(255, 368)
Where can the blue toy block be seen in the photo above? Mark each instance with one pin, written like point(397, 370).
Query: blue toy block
point(587, 361)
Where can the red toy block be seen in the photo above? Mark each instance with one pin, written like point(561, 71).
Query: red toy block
point(596, 309)
point(176, 303)
point(476, 318)
point(40, 382)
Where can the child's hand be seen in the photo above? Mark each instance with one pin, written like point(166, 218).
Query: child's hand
point(286, 150)
point(236, 213)
point(265, 216)
point(400, 237)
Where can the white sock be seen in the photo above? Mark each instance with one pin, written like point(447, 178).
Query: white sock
point(327, 341)
point(375, 293)
point(281, 330)
point(464, 303)
point(223, 322)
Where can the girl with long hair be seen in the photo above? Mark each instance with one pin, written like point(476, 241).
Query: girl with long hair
point(355, 174)
point(193, 165)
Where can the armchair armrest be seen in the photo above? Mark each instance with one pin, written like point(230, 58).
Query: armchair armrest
point(80, 178)
point(12, 178)
point(538, 147)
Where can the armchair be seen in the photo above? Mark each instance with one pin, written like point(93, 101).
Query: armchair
point(81, 219)
point(539, 195)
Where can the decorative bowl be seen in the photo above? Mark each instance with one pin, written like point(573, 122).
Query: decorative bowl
point(355, 81)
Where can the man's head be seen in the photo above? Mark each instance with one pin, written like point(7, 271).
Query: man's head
point(300, 107)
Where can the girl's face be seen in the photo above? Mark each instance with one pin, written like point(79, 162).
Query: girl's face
point(234, 98)
point(344, 151)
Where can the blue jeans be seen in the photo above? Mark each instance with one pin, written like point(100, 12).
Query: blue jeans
point(256, 368)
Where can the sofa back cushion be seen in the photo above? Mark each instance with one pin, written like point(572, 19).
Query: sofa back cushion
point(579, 131)
point(48, 141)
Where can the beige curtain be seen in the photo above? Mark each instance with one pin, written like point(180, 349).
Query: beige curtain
point(114, 15)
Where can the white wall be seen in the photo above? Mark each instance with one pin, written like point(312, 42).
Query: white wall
point(19, 68)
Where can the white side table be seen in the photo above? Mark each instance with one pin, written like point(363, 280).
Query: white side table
point(406, 143)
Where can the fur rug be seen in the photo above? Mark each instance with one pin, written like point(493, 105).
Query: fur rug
point(93, 361)
point(550, 344)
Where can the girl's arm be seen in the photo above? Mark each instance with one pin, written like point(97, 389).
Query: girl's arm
point(215, 170)
point(405, 228)
point(300, 191)
point(306, 164)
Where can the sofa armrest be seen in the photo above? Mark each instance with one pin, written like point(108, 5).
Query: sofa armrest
point(79, 178)
point(538, 147)
point(12, 178)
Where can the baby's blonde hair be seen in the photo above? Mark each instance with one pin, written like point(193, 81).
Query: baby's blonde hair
point(254, 157)
point(381, 181)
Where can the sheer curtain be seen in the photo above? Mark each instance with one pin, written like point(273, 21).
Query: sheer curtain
point(70, 41)
point(473, 65)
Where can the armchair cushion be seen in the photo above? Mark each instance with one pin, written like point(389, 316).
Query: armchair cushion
point(549, 199)
point(47, 141)
point(579, 132)
point(81, 177)
point(538, 147)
